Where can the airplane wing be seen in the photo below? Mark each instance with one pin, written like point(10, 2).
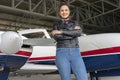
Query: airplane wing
point(39, 42)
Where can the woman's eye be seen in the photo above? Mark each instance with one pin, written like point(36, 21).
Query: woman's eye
point(66, 10)
point(62, 10)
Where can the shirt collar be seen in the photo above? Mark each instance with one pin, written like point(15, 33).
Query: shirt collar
point(65, 19)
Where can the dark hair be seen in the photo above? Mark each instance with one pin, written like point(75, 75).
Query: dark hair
point(62, 4)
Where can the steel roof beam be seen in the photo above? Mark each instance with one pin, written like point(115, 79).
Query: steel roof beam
point(20, 11)
point(108, 2)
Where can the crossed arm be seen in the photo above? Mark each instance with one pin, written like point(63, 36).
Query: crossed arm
point(65, 34)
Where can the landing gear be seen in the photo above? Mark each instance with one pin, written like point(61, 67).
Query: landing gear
point(4, 72)
point(1, 68)
point(92, 78)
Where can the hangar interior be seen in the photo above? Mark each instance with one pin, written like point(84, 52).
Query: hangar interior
point(94, 16)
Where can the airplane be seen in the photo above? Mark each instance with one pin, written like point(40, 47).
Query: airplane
point(100, 52)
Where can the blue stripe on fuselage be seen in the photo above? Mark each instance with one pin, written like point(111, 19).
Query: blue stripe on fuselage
point(92, 62)
point(102, 62)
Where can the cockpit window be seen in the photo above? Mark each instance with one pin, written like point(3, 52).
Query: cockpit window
point(35, 35)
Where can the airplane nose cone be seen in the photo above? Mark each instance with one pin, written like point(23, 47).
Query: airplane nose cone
point(11, 42)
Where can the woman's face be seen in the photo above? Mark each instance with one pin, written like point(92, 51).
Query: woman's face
point(64, 11)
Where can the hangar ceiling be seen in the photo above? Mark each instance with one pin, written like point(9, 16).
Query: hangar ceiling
point(95, 16)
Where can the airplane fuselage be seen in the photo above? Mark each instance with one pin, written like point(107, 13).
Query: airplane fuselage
point(100, 52)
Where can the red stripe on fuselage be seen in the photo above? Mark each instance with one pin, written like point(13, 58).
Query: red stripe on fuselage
point(104, 51)
point(24, 53)
point(42, 58)
point(20, 53)
point(101, 51)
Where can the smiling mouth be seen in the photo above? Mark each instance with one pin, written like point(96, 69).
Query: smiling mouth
point(64, 14)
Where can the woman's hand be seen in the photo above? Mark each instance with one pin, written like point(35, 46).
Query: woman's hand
point(56, 32)
point(77, 27)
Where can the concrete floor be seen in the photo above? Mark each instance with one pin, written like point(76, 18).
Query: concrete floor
point(53, 77)
point(38, 77)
